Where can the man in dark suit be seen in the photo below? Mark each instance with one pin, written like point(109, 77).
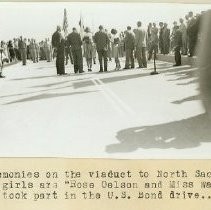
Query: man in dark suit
point(129, 48)
point(74, 40)
point(192, 32)
point(58, 45)
point(102, 41)
point(178, 45)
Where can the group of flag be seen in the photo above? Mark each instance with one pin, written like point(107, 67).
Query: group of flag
point(65, 24)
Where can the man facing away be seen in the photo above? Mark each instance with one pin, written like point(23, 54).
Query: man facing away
point(154, 42)
point(102, 41)
point(140, 45)
point(74, 40)
point(23, 48)
point(183, 29)
point(129, 48)
point(178, 45)
point(58, 44)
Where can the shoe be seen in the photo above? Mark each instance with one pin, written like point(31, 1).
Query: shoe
point(81, 72)
point(126, 68)
point(101, 71)
point(176, 65)
point(89, 70)
point(105, 70)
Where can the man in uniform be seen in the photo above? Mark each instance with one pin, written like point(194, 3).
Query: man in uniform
point(58, 44)
point(74, 40)
point(102, 43)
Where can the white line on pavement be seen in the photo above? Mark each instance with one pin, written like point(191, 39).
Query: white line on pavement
point(113, 98)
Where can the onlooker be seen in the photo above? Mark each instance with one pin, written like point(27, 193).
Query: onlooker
point(129, 48)
point(140, 45)
point(102, 43)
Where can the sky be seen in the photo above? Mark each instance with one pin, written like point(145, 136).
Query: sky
point(39, 19)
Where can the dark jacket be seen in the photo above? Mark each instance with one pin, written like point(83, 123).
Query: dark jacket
point(56, 39)
point(21, 44)
point(129, 40)
point(178, 38)
point(74, 40)
point(101, 39)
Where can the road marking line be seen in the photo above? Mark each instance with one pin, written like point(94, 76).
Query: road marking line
point(115, 99)
point(108, 97)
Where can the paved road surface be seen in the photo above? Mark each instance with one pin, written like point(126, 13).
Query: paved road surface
point(119, 114)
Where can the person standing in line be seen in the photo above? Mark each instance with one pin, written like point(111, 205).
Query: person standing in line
point(129, 48)
point(68, 53)
point(183, 29)
point(154, 42)
point(94, 53)
point(115, 41)
point(28, 50)
point(149, 33)
point(74, 40)
point(37, 51)
point(17, 56)
point(102, 41)
point(22, 47)
point(174, 29)
point(47, 49)
point(33, 51)
point(42, 51)
point(166, 39)
point(192, 32)
point(58, 45)
point(109, 52)
point(11, 51)
point(161, 41)
point(177, 46)
point(88, 47)
point(140, 45)
point(121, 45)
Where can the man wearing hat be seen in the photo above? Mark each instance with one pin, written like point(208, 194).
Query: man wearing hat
point(102, 41)
point(74, 40)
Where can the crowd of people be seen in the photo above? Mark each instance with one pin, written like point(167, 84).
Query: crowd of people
point(137, 43)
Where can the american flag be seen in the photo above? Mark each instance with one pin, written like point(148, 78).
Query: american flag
point(81, 24)
point(65, 23)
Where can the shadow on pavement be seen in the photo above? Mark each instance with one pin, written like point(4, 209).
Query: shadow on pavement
point(140, 74)
point(187, 133)
point(47, 96)
point(190, 98)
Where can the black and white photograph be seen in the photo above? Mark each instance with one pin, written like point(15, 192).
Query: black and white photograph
point(105, 80)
